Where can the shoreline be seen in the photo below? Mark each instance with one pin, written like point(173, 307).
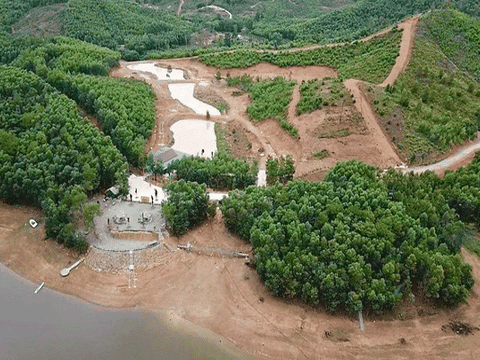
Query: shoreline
point(224, 301)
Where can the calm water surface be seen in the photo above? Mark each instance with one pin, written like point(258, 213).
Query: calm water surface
point(51, 325)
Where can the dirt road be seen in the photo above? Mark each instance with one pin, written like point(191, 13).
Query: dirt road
point(356, 88)
point(462, 157)
point(180, 5)
point(389, 157)
point(405, 52)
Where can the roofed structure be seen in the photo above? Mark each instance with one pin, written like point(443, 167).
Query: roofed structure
point(167, 155)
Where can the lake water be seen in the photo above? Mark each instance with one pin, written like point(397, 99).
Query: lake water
point(160, 73)
point(184, 94)
point(195, 137)
point(51, 325)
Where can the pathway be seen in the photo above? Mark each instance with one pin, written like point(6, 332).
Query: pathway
point(179, 10)
point(449, 163)
point(363, 105)
point(390, 158)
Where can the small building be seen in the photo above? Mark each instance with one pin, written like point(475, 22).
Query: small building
point(113, 192)
point(167, 155)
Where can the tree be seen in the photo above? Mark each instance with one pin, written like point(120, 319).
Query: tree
point(346, 242)
point(186, 207)
point(89, 212)
point(281, 170)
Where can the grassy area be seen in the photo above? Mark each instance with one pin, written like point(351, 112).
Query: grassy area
point(211, 97)
point(270, 99)
point(314, 94)
point(222, 144)
point(432, 106)
point(45, 20)
point(231, 139)
point(370, 61)
point(457, 37)
point(341, 125)
point(473, 245)
point(322, 154)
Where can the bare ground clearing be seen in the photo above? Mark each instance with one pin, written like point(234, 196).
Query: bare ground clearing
point(266, 137)
point(226, 297)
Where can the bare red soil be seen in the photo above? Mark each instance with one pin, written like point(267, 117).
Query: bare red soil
point(225, 296)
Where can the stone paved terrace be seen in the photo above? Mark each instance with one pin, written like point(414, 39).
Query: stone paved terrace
point(126, 217)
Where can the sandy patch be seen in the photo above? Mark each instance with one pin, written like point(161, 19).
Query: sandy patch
point(160, 73)
point(217, 196)
point(262, 177)
point(184, 94)
point(195, 137)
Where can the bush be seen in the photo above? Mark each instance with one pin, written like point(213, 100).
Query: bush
point(186, 207)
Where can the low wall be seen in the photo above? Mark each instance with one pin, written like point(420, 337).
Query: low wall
point(135, 235)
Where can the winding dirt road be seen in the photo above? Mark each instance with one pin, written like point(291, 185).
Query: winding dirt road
point(356, 88)
point(459, 158)
point(179, 10)
point(383, 143)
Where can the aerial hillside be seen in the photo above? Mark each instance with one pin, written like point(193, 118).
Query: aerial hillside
point(145, 27)
point(323, 112)
point(435, 104)
point(53, 157)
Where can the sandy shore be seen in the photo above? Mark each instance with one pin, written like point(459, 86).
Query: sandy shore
point(224, 299)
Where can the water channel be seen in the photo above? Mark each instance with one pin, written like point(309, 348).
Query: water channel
point(51, 325)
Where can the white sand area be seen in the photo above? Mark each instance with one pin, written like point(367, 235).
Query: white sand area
point(160, 73)
point(184, 94)
point(195, 137)
point(139, 188)
point(262, 177)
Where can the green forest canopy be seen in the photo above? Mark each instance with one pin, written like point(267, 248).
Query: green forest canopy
point(49, 155)
point(347, 242)
point(151, 29)
point(435, 104)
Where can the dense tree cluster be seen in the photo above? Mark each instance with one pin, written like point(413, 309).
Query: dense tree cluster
point(124, 108)
point(144, 29)
point(186, 207)
point(223, 171)
point(112, 23)
point(69, 56)
point(349, 23)
point(52, 157)
point(470, 7)
point(280, 170)
point(345, 242)
point(433, 199)
point(49, 155)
